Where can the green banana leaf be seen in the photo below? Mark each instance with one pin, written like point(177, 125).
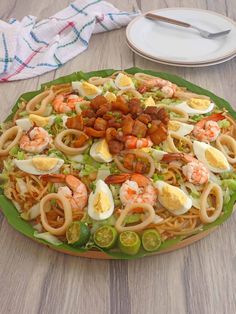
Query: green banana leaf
point(11, 213)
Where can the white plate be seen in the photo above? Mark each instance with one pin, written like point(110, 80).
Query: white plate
point(175, 44)
point(195, 65)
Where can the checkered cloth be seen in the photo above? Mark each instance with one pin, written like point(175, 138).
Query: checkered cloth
point(29, 48)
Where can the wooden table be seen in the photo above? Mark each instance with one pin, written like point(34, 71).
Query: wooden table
point(199, 279)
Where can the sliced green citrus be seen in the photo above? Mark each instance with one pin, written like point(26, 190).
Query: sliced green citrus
point(77, 233)
point(105, 237)
point(129, 242)
point(151, 240)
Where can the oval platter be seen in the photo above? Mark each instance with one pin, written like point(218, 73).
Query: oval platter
point(13, 216)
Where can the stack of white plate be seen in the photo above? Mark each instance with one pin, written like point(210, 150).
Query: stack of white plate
point(179, 46)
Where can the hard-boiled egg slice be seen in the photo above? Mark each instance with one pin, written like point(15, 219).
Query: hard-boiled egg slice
point(41, 121)
point(211, 157)
point(149, 102)
point(24, 123)
point(100, 204)
point(39, 165)
point(180, 128)
point(173, 198)
point(99, 151)
point(196, 106)
point(157, 154)
point(124, 82)
point(86, 89)
point(110, 96)
point(33, 119)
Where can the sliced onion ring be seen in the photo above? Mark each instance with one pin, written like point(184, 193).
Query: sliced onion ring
point(66, 149)
point(148, 220)
point(67, 211)
point(139, 154)
point(15, 132)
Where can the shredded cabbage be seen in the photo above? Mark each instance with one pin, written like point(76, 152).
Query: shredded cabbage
point(16, 152)
point(229, 183)
point(32, 213)
point(103, 172)
point(224, 123)
point(46, 236)
point(56, 153)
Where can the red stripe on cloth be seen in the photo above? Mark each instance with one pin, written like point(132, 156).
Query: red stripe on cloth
point(70, 24)
point(22, 66)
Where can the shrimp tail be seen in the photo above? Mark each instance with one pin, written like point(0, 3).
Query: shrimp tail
point(54, 178)
point(214, 117)
point(172, 157)
point(177, 156)
point(117, 178)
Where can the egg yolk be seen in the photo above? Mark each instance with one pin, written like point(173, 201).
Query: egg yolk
point(215, 158)
point(173, 126)
point(149, 102)
point(89, 89)
point(197, 103)
point(171, 198)
point(125, 81)
point(110, 96)
point(103, 149)
point(44, 164)
point(38, 120)
point(101, 202)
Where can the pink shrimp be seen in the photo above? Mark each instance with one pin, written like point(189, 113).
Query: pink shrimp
point(135, 188)
point(35, 140)
point(166, 87)
point(75, 190)
point(132, 142)
point(207, 130)
point(65, 103)
point(194, 170)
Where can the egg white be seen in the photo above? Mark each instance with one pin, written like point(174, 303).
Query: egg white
point(28, 167)
point(101, 186)
point(183, 209)
point(119, 85)
point(200, 148)
point(157, 154)
point(183, 130)
point(191, 111)
point(26, 123)
point(78, 86)
point(98, 156)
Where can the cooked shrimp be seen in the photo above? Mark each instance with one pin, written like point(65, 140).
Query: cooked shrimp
point(194, 171)
point(135, 188)
point(166, 87)
point(35, 140)
point(207, 130)
point(132, 142)
point(75, 190)
point(65, 103)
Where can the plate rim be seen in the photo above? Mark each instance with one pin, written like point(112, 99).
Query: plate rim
point(194, 65)
point(181, 8)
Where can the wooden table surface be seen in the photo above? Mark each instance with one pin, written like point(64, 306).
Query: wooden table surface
point(199, 279)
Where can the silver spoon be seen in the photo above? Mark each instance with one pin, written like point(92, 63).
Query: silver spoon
point(202, 32)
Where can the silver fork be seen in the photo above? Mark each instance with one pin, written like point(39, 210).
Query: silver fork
point(202, 32)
